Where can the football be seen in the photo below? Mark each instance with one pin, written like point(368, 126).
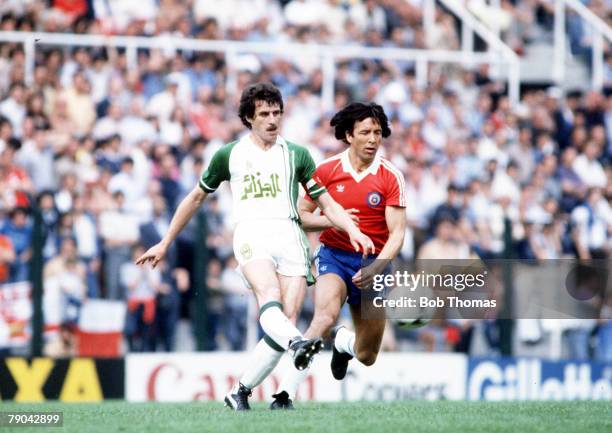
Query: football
point(412, 323)
point(415, 315)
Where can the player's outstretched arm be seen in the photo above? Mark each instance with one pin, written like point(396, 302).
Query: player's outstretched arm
point(312, 222)
point(186, 209)
point(342, 221)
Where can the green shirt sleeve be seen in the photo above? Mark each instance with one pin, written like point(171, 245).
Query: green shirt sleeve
point(218, 169)
point(305, 168)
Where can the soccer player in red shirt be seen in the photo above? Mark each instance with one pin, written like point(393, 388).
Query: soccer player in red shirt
point(373, 190)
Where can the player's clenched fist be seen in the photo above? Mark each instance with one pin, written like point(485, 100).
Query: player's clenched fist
point(153, 255)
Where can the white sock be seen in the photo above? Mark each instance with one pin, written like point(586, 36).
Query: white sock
point(262, 362)
point(345, 341)
point(291, 381)
point(277, 326)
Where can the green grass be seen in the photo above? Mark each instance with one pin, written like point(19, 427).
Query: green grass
point(398, 417)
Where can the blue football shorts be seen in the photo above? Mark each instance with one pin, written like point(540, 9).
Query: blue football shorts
point(345, 264)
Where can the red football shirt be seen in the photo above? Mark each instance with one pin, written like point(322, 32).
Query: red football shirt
point(370, 191)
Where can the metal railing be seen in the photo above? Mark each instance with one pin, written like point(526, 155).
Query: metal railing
point(470, 26)
point(328, 55)
point(600, 30)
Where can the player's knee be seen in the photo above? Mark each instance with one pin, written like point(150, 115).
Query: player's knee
point(292, 317)
point(323, 322)
point(291, 312)
point(367, 357)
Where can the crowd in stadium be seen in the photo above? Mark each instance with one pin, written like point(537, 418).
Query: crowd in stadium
point(106, 151)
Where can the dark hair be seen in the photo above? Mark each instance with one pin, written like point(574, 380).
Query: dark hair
point(15, 85)
point(257, 92)
point(45, 193)
point(445, 216)
point(345, 119)
point(18, 210)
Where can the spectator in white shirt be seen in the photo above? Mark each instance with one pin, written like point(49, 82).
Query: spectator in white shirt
point(133, 127)
point(592, 223)
point(13, 108)
point(588, 168)
point(110, 124)
point(505, 183)
point(65, 275)
point(369, 15)
point(127, 182)
point(163, 104)
point(87, 244)
point(119, 231)
point(171, 130)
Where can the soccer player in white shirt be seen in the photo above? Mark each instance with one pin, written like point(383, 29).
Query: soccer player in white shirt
point(264, 171)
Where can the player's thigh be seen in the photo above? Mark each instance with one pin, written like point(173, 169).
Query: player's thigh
point(369, 331)
point(292, 292)
point(261, 276)
point(291, 252)
point(329, 296)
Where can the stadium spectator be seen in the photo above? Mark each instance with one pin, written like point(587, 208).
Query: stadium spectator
point(152, 231)
point(576, 338)
point(592, 224)
point(79, 103)
point(19, 230)
point(13, 107)
point(16, 185)
point(450, 208)
point(109, 125)
point(86, 236)
point(127, 182)
point(50, 217)
point(37, 157)
point(141, 286)
point(446, 244)
point(119, 232)
point(215, 303)
point(109, 155)
point(236, 303)
point(167, 303)
point(162, 104)
point(168, 177)
point(7, 256)
point(588, 168)
point(573, 188)
point(65, 280)
point(522, 153)
point(64, 346)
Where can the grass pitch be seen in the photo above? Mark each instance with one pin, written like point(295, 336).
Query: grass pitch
point(397, 417)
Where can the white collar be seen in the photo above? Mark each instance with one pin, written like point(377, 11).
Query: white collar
point(279, 140)
point(348, 168)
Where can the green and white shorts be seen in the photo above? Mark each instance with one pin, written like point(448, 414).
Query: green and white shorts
point(280, 240)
